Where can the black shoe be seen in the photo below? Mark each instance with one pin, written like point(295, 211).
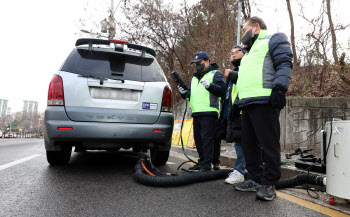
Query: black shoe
point(266, 192)
point(204, 170)
point(216, 166)
point(195, 167)
point(247, 185)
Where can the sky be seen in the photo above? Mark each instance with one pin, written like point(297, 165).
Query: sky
point(37, 36)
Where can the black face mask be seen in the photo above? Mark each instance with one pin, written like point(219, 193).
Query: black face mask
point(236, 62)
point(248, 39)
point(200, 67)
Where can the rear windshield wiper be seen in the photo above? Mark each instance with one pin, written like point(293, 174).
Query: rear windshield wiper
point(92, 76)
point(118, 74)
point(100, 78)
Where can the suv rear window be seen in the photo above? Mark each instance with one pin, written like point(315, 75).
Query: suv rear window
point(113, 65)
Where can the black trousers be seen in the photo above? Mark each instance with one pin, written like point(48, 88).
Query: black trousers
point(204, 132)
point(260, 142)
point(220, 134)
point(217, 149)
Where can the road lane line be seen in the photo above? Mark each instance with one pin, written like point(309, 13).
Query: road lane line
point(171, 163)
point(14, 163)
point(310, 205)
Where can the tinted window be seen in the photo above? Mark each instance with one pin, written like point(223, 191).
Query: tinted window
point(113, 65)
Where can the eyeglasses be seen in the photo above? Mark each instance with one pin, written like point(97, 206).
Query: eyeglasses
point(236, 52)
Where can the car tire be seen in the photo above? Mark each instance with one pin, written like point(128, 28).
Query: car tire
point(59, 157)
point(159, 158)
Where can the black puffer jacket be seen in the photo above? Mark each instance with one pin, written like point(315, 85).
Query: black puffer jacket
point(233, 133)
point(229, 128)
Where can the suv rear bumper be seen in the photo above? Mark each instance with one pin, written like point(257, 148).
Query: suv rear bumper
point(97, 135)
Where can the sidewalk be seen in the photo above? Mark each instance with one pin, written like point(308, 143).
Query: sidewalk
point(228, 159)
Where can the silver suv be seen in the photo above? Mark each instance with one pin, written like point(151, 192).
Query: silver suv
point(108, 95)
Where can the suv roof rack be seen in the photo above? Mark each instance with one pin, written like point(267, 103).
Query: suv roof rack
point(91, 41)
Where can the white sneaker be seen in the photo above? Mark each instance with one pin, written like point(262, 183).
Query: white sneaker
point(234, 177)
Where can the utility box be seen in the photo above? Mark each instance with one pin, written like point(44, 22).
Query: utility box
point(338, 158)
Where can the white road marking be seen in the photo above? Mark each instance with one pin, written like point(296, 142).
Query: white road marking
point(171, 163)
point(14, 163)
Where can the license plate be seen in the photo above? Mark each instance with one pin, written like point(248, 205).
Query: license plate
point(116, 94)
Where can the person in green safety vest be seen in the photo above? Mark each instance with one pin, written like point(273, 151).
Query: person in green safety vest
point(264, 77)
point(204, 92)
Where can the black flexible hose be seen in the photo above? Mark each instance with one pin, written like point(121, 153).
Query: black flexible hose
point(174, 181)
point(300, 179)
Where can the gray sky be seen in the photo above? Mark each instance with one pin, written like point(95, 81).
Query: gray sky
point(38, 35)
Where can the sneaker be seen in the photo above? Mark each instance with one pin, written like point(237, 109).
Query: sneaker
point(234, 177)
point(266, 192)
point(216, 166)
point(248, 185)
point(195, 167)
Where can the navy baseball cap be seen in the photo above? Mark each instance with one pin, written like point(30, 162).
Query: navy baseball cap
point(201, 55)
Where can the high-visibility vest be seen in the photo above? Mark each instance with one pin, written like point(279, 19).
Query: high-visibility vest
point(201, 99)
point(256, 72)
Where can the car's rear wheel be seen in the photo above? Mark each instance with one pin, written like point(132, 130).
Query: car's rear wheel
point(59, 157)
point(159, 158)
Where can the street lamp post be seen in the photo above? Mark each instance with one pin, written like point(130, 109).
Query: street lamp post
point(239, 21)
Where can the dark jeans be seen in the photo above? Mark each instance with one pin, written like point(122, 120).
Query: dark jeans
point(204, 132)
point(260, 141)
point(240, 161)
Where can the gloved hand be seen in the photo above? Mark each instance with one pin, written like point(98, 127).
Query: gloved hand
point(182, 91)
point(205, 83)
point(278, 97)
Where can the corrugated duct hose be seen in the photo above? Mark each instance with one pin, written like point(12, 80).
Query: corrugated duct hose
point(300, 179)
point(145, 173)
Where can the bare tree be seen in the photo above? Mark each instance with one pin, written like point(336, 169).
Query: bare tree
point(292, 38)
point(331, 28)
point(177, 35)
point(246, 9)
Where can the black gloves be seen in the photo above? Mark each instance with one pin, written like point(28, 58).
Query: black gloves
point(278, 97)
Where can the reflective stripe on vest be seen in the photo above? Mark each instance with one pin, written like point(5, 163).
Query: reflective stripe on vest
point(201, 99)
point(256, 72)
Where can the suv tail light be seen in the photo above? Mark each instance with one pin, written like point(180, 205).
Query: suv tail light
point(56, 97)
point(167, 103)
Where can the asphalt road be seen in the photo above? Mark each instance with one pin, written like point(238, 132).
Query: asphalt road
point(101, 184)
